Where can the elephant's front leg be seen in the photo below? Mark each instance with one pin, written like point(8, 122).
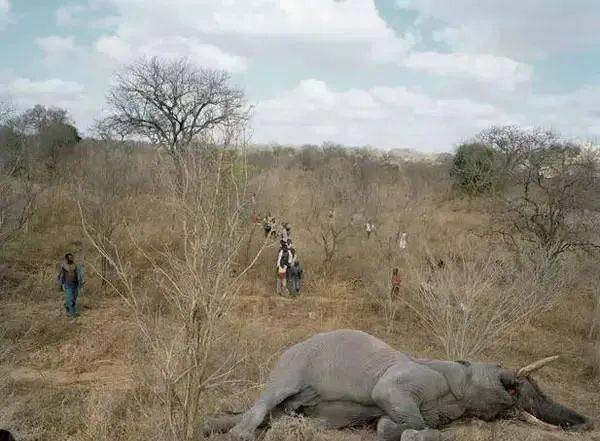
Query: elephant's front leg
point(388, 430)
point(403, 420)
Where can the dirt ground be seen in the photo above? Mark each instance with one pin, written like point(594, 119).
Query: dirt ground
point(58, 373)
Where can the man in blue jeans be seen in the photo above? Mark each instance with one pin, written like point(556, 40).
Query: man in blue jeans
point(70, 279)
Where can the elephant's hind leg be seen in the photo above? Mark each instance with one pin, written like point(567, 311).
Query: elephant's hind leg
point(254, 417)
point(220, 423)
point(388, 430)
point(306, 397)
point(341, 414)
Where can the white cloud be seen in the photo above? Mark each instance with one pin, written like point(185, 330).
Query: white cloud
point(575, 113)
point(355, 20)
point(50, 92)
point(4, 14)
point(193, 26)
point(66, 15)
point(380, 116)
point(82, 104)
point(57, 49)
point(523, 28)
point(93, 13)
point(206, 55)
point(502, 71)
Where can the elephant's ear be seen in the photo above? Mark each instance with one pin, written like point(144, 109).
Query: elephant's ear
point(457, 375)
point(457, 378)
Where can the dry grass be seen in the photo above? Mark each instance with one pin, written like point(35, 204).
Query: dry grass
point(90, 379)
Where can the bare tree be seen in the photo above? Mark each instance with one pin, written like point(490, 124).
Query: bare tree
point(195, 280)
point(171, 103)
point(38, 118)
point(385, 299)
point(333, 202)
point(106, 183)
point(6, 111)
point(514, 144)
point(549, 202)
point(476, 298)
point(17, 196)
point(593, 345)
point(105, 131)
point(17, 201)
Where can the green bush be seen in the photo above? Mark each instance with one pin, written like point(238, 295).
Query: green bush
point(474, 168)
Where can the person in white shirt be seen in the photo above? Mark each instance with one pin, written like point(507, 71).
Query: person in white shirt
point(370, 228)
point(283, 262)
point(402, 241)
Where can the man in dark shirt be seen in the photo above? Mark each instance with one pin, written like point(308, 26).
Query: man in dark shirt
point(70, 279)
point(295, 277)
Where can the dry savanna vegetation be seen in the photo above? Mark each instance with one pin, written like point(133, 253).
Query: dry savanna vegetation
point(179, 316)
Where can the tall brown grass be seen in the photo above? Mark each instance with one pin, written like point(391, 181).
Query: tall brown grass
point(187, 322)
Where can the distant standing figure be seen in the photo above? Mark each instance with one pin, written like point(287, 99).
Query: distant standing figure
point(295, 277)
point(285, 232)
point(273, 227)
point(331, 217)
point(402, 241)
point(268, 224)
point(5, 435)
point(283, 262)
point(369, 228)
point(396, 281)
point(70, 278)
point(292, 251)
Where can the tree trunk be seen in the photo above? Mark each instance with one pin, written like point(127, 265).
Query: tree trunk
point(180, 173)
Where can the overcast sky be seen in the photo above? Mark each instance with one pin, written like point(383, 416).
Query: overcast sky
point(422, 74)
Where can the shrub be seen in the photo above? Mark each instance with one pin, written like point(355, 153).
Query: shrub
point(473, 168)
point(471, 298)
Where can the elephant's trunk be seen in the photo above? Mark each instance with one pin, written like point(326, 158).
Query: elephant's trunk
point(532, 400)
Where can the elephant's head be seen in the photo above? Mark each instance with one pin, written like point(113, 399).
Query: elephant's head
point(493, 392)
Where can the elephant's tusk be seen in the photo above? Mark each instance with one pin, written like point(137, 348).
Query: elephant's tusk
point(524, 371)
point(529, 418)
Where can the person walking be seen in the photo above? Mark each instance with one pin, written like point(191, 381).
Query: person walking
point(286, 232)
point(402, 241)
point(70, 279)
point(283, 262)
point(292, 250)
point(369, 228)
point(295, 277)
point(268, 224)
point(395, 282)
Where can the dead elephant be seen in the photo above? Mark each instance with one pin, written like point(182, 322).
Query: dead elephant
point(348, 378)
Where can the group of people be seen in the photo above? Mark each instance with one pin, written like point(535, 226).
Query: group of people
point(273, 229)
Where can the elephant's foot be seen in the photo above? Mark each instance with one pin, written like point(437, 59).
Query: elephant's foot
point(238, 434)
point(388, 430)
point(421, 435)
point(220, 424)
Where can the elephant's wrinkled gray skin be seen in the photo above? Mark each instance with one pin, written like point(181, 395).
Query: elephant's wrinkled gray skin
point(348, 378)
